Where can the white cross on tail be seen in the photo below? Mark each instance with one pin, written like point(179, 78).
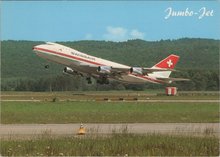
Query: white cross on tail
point(169, 63)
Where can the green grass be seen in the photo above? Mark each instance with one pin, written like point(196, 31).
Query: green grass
point(117, 144)
point(107, 112)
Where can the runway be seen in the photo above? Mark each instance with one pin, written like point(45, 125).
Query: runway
point(150, 101)
point(22, 130)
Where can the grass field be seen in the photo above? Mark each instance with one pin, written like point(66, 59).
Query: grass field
point(64, 110)
point(115, 145)
point(107, 112)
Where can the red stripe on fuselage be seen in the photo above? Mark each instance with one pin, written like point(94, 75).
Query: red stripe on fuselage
point(66, 55)
point(91, 62)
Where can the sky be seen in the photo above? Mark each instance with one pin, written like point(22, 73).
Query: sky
point(109, 20)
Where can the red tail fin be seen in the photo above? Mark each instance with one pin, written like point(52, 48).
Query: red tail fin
point(168, 62)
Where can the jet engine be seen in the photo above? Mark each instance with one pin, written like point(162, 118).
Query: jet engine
point(68, 70)
point(136, 70)
point(104, 69)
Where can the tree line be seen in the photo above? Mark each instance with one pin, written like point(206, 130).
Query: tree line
point(199, 80)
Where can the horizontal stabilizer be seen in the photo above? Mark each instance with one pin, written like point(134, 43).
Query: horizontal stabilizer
point(151, 70)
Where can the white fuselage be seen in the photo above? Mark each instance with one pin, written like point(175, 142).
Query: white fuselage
point(81, 62)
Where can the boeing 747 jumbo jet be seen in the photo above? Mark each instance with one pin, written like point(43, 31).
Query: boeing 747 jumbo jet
point(78, 63)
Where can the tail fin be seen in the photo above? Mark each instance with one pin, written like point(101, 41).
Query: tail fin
point(168, 63)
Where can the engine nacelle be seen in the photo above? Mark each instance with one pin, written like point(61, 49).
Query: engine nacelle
point(104, 69)
point(136, 70)
point(68, 70)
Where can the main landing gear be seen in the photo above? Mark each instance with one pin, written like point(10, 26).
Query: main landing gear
point(89, 80)
point(103, 80)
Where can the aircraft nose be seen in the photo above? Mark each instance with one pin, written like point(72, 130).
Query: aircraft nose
point(34, 47)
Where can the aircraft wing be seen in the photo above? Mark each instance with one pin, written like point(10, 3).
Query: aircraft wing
point(114, 71)
point(145, 71)
point(122, 71)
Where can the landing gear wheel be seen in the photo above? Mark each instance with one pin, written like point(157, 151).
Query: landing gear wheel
point(46, 66)
point(89, 80)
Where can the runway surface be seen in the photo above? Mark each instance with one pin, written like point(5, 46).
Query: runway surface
point(159, 101)
point(22, 130)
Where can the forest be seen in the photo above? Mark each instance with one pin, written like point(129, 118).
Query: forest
point(22, 70)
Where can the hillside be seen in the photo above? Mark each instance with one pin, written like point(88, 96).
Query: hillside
point(18, 60)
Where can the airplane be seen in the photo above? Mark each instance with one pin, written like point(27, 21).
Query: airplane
point(78, 63)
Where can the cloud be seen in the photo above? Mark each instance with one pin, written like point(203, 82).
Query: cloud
point(115, 33)
point(135, 34)
point(122, 34)
point(88, 36)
